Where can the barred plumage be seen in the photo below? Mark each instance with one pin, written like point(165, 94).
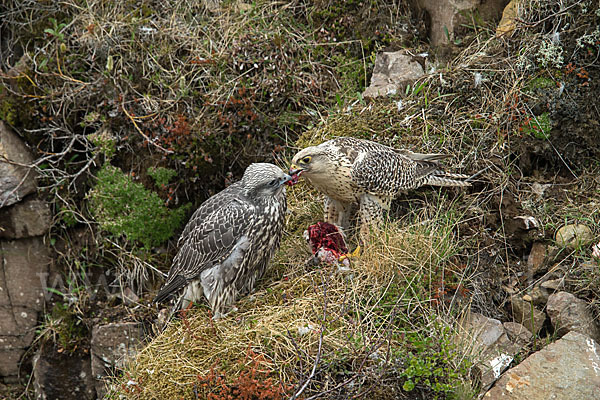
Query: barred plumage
point(364, 176)
point(229, 241)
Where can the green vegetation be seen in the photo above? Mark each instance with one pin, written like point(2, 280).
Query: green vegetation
point(161, 175)
point(431, 365)
point(539, 127)
point(64, 327)
point(124, 207)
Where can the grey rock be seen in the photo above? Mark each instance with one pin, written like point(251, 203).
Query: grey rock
point(527, 314)
point(517, 333)
point(112, 346)
point(448, 16)
point(485, 340)
point(24, 263)
point(566, 369)
point(568, 313)
point(526, 222)
point(129, 297)
point(16, 180)
point(553, 284)
point(62, 376)
point(392, 72)
point(574, 236)
point(28, 218)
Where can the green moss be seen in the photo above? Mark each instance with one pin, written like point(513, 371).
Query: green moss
point(66, 328)
point(540, 83)
point(539, 126)
point(123, 207)
point(8, 112)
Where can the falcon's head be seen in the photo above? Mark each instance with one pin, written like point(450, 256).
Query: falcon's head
point(264, 180)
point(311, 161)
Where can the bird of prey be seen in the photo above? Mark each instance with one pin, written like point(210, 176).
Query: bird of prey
point(358, 175)
point(226, 245)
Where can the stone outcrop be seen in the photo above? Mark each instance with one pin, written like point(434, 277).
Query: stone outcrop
point(536, 258)
point(393, 71)
point(112, 345)
point(447, 16)
point(26, 219)
point(16, 180)
point(21, 299)
point(486, 340)
point(508, 23)
point(517, 333)
point(570, 314)
point(62, 376)
point(566, 369)
point(25, 257)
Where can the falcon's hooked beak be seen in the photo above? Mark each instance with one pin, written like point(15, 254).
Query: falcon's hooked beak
point(295, 173)
point(286, 179)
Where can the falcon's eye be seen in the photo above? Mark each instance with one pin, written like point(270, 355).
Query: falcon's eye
point(274, 182)
point(306, 159)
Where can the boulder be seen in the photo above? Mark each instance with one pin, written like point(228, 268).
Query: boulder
point(16, 180)
point(62, 376)
point(485, 340)
point(23, 262)
point(568, 313)
point(26, 219)
point(527, 314)
point(536, 258)
point(113, 345)
point(566, 369)
point(448, 16)
point(506, 27)
point(517, 333)
point(393, 71)
point(574, 236)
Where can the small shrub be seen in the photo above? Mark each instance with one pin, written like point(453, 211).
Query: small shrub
point(161, 175)
point(251, 384)
point(105, 143)
point(123, 207)
point(430, 366)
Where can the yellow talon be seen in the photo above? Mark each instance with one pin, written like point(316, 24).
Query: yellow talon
point(354, 254)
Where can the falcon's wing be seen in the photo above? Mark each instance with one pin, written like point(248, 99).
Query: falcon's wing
point(210, 236)
point(386, 172)
point(210, 206)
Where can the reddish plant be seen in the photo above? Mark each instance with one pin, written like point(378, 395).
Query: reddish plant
point(253, 383)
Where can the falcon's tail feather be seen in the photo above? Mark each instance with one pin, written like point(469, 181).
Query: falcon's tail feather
point(167, 291)
point(448, 179)
point(421, 156)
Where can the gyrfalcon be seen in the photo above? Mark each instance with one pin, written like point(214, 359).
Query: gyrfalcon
point(229, 240)
point(364, 176)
